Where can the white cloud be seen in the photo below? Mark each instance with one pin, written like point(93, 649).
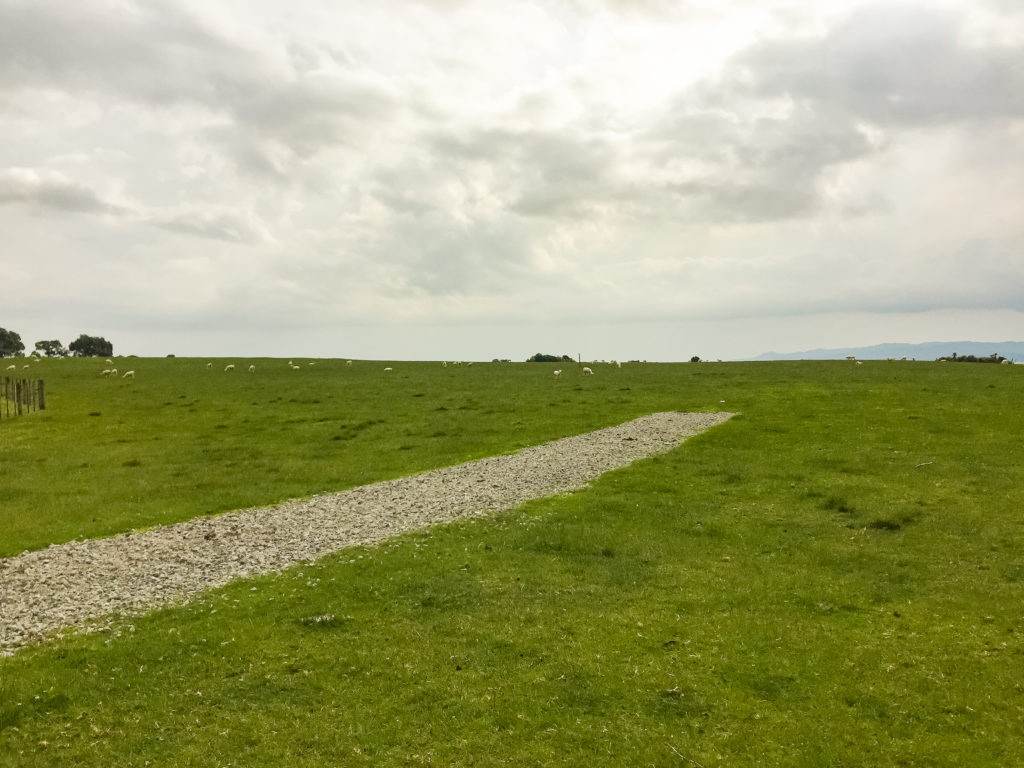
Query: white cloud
point(448, 164)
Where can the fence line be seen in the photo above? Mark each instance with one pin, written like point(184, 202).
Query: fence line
point(19, 396)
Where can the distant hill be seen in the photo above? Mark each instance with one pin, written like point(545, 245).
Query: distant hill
point(1014, 350)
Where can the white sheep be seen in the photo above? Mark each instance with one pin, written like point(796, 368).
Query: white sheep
point(252, 369)
point(209, 365)
point(557, 374)
point(105, 372)
point(348, 363)
point(229, 367)
point(113, 372)
point(587, 371)
point(295, 367)
point(12, 367)
point(128, 375)
point(110, 362)
point(387, 369)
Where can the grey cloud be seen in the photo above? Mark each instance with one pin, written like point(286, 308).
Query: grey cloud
point(229, 227)
point(149, 52)
point(539, 173)
point(156, 55)
point(891, 65)
point(557, 156)
point(486, 257)
point(760, 201)
point(309, 114)
point(51, 190)
point(766, 169)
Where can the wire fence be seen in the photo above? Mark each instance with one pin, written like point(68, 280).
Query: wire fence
point(19, 396)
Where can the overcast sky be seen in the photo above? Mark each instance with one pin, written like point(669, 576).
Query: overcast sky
point(454, 179)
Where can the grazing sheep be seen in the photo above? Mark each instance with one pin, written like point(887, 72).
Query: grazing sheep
point(209, 365)
point(387, 369)
point(229, 367)
point(113, 372)
point(295, 367)
point(557, 374)
point(110, 362)
point(444, 364)
point(12, 367)
point(252, 369)
point(128, 375)
point(348, 363)
point(587, 371)
point(105, 372)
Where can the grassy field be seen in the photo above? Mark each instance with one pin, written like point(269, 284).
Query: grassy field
point(181, 440)
point(833, 577)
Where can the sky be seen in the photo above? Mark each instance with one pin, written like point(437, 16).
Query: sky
point(446, 179)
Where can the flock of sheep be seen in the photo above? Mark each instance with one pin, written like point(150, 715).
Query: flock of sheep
point(113, 372)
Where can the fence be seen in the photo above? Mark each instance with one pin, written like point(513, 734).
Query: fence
point(18, 396)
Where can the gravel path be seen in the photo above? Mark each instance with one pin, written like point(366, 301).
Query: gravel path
point(75, 584)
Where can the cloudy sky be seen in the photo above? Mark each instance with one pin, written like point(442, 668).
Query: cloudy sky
point(429, 179)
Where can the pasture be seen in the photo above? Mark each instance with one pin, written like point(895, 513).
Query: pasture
point(833, 577)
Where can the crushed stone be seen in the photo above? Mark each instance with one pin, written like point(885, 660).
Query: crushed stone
point(77, 584)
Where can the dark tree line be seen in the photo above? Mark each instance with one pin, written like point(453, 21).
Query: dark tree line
point(954, 358)
point(11, 345)
point(91, 346)
point(540, 358)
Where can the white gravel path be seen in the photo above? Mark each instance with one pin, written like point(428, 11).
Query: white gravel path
point(74, 584)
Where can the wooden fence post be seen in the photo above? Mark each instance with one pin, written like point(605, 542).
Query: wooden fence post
point(26, 395)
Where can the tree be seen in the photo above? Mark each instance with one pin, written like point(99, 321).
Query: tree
point(993, 358)
point(695, 359)
point(10, 343)
point(542, 358)
point(52, 348)
point(91, 346)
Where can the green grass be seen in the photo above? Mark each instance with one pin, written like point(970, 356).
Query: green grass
point(831, 578)
point(181, 440)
